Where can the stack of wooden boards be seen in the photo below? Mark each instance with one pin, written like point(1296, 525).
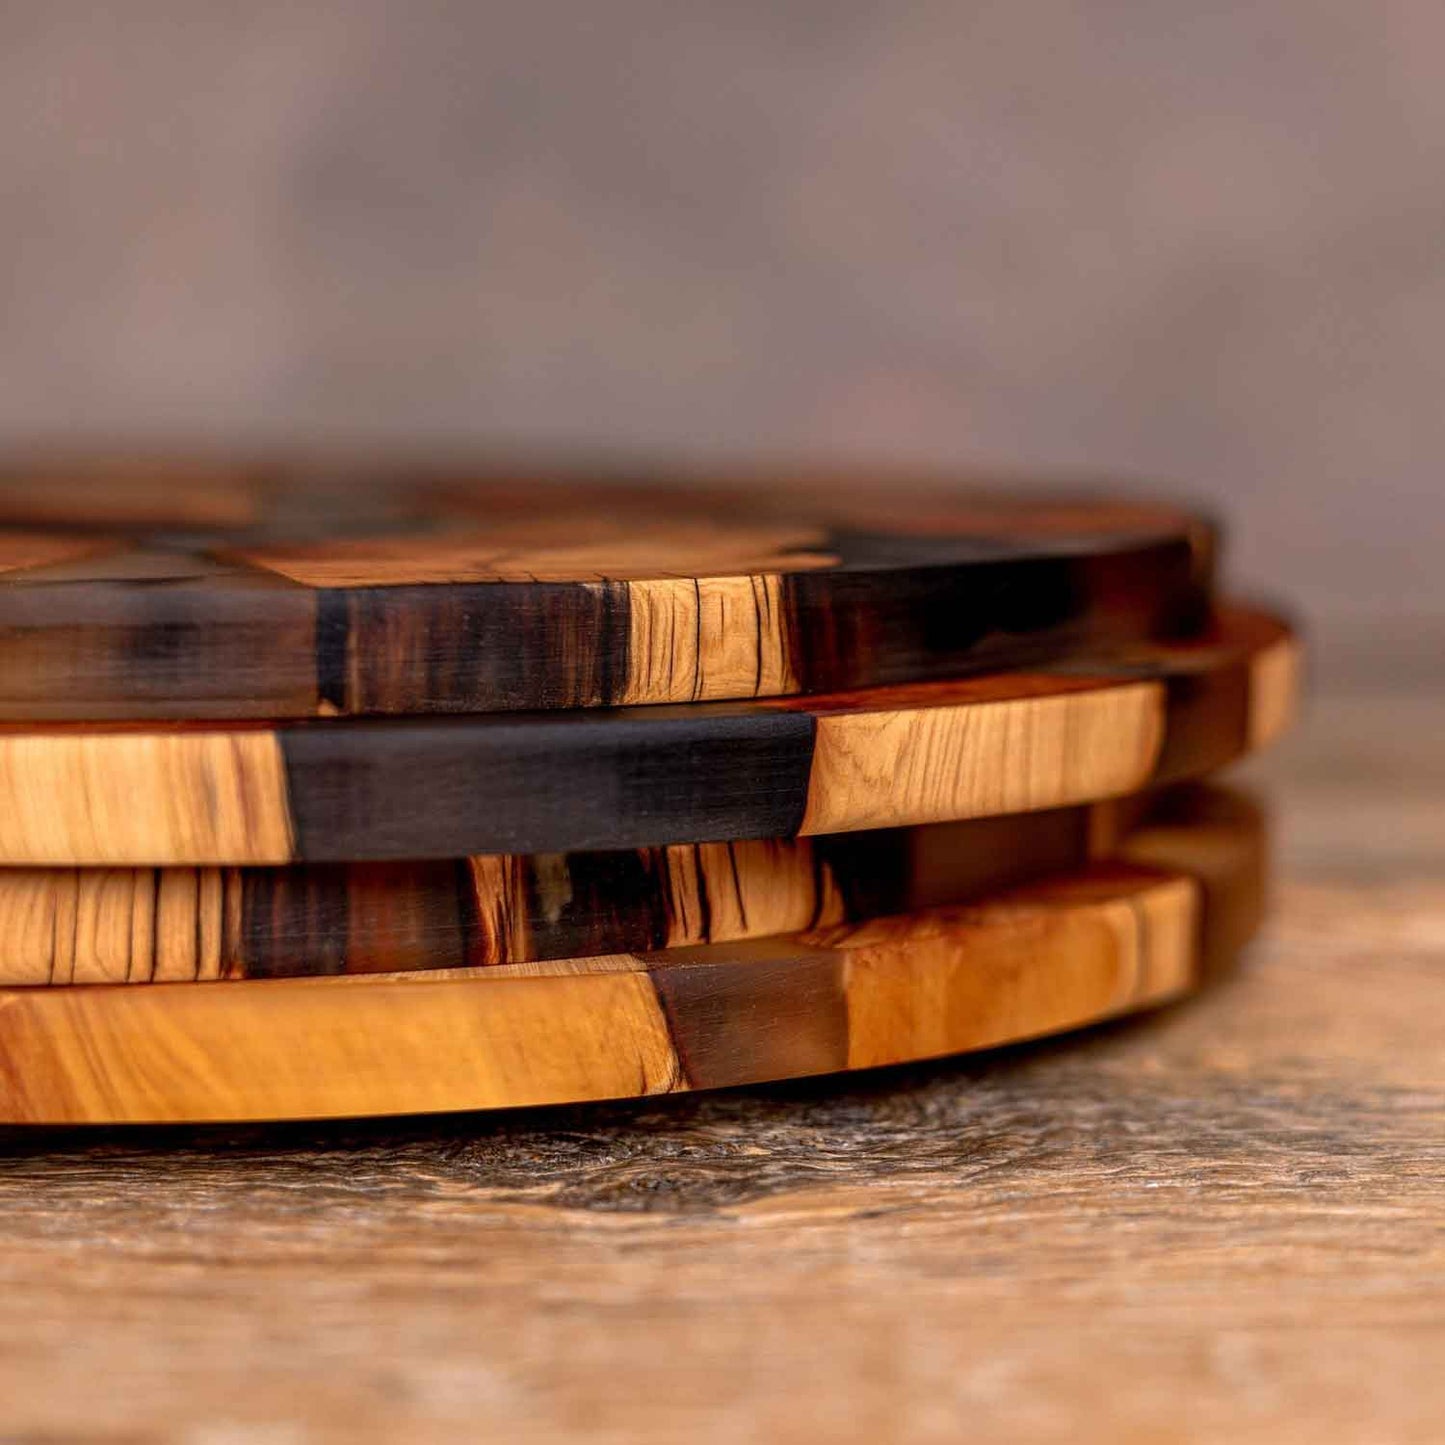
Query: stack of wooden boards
point(329, 793)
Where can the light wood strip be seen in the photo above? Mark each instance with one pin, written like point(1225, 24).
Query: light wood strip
point(37, 922)
point(110, 925)
point(1203, 837)
point(1016, 970)
point(881, 769)
point(189, 924)
point(287, 1051)
point(723, 892)
point(115, 909)
point(709, 638)
point(499, 892)
point(98, 797)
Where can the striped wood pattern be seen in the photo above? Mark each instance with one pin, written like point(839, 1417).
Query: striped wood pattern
point(124, 925)
point(1054, 955)
point(445, 788)
point(297, 591)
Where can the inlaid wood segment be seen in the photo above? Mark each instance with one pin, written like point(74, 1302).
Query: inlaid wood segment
point(589, 780)
point(97, 925)
point(129, 630)
point(279, 592)
point(107, 797)
point(704, 639)
point(997, 977)
point(977, 758)
point(599, 1037)
point(120, 925)
point(1051, 956)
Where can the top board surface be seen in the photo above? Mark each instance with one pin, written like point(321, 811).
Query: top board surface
point(160, 591)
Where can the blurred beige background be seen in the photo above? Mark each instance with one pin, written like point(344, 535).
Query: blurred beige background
point(1197, 244)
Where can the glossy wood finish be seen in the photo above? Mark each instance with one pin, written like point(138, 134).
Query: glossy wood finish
point(278, 592)
point(1052, 955)
point(126, 925)
point(607, 779)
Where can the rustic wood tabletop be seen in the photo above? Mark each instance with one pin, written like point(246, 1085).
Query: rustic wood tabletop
point(1222, 1221)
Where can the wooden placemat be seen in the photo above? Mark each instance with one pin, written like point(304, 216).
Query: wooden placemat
point(154, 592)
point(1053, 955)
point(349, 790)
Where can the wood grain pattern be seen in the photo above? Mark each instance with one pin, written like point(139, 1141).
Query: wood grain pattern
point(975, 756)
point(111, 925)
point(1053, 955)
point(292, 591)
point(120, 925)
point(1215, 1222)
point(113, 796)
point(712, 637)
point(444, 788)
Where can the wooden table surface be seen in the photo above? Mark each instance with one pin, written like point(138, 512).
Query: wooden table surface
point(1221, 1223)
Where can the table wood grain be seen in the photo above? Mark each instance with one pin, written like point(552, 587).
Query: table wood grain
point(1222, 1222)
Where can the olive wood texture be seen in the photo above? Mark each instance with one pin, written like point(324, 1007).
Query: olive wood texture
point(1053, 955)
point(166, 925)
point(165, 592)
point(1218, 1222)
point(351, 791)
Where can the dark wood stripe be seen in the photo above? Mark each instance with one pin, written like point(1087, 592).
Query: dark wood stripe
point(149, 629)
point(866, 628)
point(291, 917)
point(769, 1011)
point(333, 638)
point(478, 648)
point(591, 903)
point(544, 784)
point(402, 911)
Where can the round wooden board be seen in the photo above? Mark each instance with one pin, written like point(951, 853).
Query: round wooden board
point(153, 592)
point(627, 778)
point(1053, 955)
point(149, 925)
